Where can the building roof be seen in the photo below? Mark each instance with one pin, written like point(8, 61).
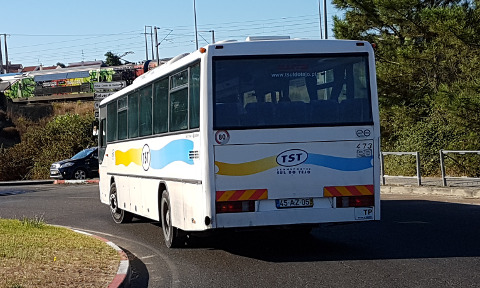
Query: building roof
point(30, 68)
point(58, 76)
point(13, 68)
point(48, 67)
point(86, 63)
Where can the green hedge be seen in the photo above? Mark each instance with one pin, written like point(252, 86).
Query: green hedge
point(59, 139)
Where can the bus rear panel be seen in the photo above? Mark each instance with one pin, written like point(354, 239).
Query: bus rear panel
point(295, 139)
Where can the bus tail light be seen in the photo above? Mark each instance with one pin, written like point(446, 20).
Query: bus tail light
point(235, 206)
point(233, 201)
point(355, 201)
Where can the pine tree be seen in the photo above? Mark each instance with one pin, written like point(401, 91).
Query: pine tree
point(427, 59)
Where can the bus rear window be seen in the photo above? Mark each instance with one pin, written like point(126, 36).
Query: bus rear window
point(286, 91)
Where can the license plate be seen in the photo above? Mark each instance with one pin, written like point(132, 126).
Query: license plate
point(364, 213)
point(294, 203)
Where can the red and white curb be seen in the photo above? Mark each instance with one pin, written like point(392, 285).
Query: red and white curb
point(120, 280)
point(75, 181)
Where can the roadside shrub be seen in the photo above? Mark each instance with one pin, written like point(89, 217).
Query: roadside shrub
point(446, 126)
point(14, 163)
point(59, 139)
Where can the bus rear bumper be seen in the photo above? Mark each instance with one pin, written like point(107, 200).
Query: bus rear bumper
point(295, 216)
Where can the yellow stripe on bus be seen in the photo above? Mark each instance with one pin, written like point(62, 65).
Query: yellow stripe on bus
point(247, 194)
point(226, 195)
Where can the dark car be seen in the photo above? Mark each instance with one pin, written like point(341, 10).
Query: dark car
point(81, 166)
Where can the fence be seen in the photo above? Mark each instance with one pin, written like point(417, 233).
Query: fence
point(442, 165)
point(417, 164)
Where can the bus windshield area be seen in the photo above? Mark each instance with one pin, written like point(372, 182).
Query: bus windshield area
point(252, 92)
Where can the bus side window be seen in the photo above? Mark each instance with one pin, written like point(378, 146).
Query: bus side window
point(102, 139)
point(145, 115)
point(178, 110)
point(179, 101)
point(133, 115)
point(122, 118)
point(160, 104)
point(112, 121)
point(194, 105)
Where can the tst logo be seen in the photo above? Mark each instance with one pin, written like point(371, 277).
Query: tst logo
point(292, 157)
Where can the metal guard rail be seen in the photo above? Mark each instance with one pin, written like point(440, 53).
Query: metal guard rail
point(442, 164)
point(417, 157)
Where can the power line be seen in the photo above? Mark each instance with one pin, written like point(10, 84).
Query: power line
point(95, 45)
point(71, 35)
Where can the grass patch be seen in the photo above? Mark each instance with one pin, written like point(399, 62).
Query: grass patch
point(34, 254)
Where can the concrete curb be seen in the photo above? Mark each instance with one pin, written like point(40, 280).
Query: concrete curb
point(122, 279)
point(40, 182)
point(464, 192)
point(26, 182)
point(93, 181)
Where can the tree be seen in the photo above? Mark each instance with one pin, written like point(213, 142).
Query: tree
point(426, 56)
point(112, 59)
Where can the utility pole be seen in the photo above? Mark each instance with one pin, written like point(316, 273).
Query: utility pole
point(320, 19)
point(213, 35)
point(6, 52)
point(156, 44)
point(151, 39)
point(146, 44)
point(196, 32)
point(146, 41)
point(325, 18)
point(1, 58)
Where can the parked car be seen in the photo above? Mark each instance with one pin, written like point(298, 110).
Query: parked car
point(81, 166)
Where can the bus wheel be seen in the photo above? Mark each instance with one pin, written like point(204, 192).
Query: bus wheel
point(171, 234)
point(118, 215)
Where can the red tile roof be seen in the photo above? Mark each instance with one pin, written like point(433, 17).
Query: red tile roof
point(30, 68)
point(49, 68)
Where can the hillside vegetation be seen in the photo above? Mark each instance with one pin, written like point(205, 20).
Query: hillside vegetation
point(50, 139)
point(427, 55)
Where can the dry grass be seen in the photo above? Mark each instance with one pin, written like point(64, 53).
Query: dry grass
point(59, 108)
point(80, 108)
point(33, 254)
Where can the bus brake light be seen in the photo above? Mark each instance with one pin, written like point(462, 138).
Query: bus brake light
point(235, 206)
point(355, 201)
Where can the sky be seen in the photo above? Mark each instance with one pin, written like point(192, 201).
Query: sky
point(51, 31)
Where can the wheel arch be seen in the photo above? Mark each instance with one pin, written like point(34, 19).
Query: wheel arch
point(161, 187)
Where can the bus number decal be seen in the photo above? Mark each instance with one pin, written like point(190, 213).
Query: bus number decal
point(146, 157)
point(364, 150)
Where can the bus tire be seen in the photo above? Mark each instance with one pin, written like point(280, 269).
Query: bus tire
point(118, 215)
point(171, 234)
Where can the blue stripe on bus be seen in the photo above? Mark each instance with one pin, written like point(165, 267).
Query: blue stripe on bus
point(176, 150)
point(339, 163)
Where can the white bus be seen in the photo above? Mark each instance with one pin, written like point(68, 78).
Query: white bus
point(257, 133)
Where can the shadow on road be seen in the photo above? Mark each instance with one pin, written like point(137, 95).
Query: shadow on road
point(139, 273)
point(408, 229)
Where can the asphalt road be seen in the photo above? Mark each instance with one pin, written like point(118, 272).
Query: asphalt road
point(424, 241)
